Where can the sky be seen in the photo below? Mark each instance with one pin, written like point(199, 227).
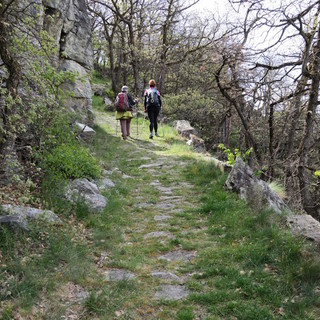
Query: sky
point(217, 6)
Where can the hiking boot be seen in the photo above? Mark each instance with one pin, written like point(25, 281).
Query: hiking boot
point(151, 136)
point(156, 134)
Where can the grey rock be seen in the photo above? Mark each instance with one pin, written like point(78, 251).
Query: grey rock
point(161, 218)
point(165, 205)
point(106, 172)
point(159, 234)
point(257, 192)
point(89, 192)
point(81, 100)
point(109, 105)
point(18, 216)
point(184, 128)
point(98, 89)
point(85, 132)
point(165, 190)
point(171, 292)
point(155, 183)
point(125, 176)
point(171, 198)
point(151, 165)
point(105, 184)
point(197, 143)
point(68, 23)
point(84, 186)
point(166, 276)
point(178, 255)
point(119, 275)
point(306, 226)
point(144, 205)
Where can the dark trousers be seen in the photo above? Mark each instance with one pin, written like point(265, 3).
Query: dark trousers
point(153, 113)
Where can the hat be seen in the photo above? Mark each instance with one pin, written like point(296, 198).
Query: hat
point(124, 88)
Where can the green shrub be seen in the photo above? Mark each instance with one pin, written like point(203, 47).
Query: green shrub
point(71, 161)
point(233, 155)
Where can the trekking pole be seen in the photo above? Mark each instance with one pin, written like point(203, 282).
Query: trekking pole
point(116, 126)
point(137, 120)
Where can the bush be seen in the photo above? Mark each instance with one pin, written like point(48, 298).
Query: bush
point(71, 161)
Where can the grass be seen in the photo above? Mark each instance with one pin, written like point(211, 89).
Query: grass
point(247, 265)
point(278, 188)
point(98, 103)
point(256, 270)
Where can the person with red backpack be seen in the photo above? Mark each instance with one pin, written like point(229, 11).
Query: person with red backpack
point(124, 103)
point(152, 105)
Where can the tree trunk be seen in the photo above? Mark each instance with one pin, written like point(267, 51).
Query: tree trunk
point(309, 202)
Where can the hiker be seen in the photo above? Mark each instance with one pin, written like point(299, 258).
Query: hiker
point(152, 105)
point(124, 103)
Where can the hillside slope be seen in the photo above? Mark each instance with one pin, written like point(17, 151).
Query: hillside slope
point(171, 244)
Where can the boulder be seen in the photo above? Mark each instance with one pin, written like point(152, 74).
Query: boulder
point(19, 216)
point(98, 89)
point(306, 226)
point(85, 132)
point(197, 143)
point(88, 192)
point(257, 192)
point(184, 128)
point(109, 105)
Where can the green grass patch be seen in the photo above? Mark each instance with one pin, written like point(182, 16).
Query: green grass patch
point(256, 269)
point(98, 103)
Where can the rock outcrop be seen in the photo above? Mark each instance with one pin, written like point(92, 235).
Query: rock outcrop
point(19, 216)
point(257, 192)
point(67, 21)
point(184, 128)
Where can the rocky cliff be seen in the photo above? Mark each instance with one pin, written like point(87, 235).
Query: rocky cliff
point(67, 21)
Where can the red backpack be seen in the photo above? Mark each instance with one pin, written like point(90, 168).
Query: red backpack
point(121, 102)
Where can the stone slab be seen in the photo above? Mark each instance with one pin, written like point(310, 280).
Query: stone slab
point(171, 292)
point(151, 165)
point(162, 218)
point(178, 255)
point(159, 234)
point(119, 275)
point(306, 226)
point(166, 276)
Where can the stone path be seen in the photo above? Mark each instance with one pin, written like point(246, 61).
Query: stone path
point(171, 286)
point(157, 226)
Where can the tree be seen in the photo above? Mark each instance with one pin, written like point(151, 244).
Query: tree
point(298, 21)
